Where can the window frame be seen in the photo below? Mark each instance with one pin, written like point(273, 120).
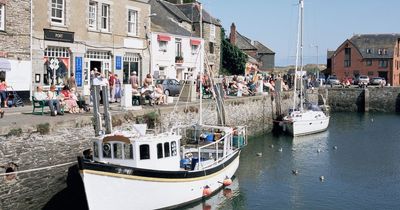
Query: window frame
point(55, 6)
point(2, 17)
point(211, 45)
point(130, 150)
point(212, 32)
point(178, 47)
point(167, 149)
point(162, 46)
point(368, 62)
point(93, 5)
point(133, 24)
point(142, 156)
point(105, 16)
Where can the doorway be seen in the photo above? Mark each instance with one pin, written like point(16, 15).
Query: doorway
point(383, 74)
point(95, 64)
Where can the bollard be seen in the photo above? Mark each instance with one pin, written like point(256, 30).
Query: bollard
point(107, 115)
point(95, 90)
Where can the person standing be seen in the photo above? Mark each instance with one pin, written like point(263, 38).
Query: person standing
point(71, 82)
point(111, 83)
point(101, 81)
point(117, 88)
point(3, 93)
point(133, 79)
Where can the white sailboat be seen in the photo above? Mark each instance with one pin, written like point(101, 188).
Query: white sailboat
point(133, 169)
point(304, 118)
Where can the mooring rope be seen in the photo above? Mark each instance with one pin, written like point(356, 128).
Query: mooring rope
point(37, 169)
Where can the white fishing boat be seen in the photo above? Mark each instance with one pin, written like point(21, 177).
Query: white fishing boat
point(309, 119)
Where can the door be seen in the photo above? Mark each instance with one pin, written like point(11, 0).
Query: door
point(383, 74)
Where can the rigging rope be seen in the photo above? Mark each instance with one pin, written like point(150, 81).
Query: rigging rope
point(37, 169)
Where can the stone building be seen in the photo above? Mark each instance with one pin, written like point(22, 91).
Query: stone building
point(75, 36)
point(259, 55)
point(15, 52)
point(373, 55)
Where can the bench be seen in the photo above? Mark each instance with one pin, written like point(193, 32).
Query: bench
point(41, 104)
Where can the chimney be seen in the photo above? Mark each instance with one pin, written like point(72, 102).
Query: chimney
point(232, 36)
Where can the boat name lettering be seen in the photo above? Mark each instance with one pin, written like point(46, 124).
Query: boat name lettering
point(124, 171)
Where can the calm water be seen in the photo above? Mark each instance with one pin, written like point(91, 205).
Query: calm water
point(362, 173)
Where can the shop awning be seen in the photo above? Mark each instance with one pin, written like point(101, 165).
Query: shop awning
point(5, 65)
point(164, 38)
point(195, 42)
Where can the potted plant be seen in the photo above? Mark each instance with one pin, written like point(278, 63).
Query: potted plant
point(178, 59)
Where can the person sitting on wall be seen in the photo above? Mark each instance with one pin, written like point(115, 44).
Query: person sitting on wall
point(70, 100)
point(146, 94)
point(158, 95)
point(53, 104)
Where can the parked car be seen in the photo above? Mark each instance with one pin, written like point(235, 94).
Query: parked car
point(333, 80)
point(171, 86)
point(377, 81)
point(362, 79)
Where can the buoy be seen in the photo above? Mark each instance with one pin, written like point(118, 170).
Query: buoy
point(372, 119)
point(280, 149)
point(335, 147)
point(318, 150)
point(295, 172)
point(272, 146)
point(259, 154)
point(207, 191)
point(321, 178)
point(227, 181)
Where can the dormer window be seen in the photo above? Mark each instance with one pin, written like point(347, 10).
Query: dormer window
point(385, 52)
point(380, 51)
point(369, 51)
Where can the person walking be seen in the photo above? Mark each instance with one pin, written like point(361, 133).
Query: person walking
point(3, 93)
point(111, 83)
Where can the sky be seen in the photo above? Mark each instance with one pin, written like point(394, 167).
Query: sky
point(327, 23)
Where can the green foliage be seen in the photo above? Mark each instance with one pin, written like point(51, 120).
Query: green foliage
point(233, 59)
point(15, 132)
point(43, 128)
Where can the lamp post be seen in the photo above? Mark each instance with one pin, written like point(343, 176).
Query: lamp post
point(148, 38)
point(316, 47)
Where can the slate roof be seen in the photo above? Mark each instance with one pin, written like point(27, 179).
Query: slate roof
point(330, 53)
point(262, 49)
point(165, 21)
point(173, 9)
point(192, 12)
point(375, 42)
point(243, 42)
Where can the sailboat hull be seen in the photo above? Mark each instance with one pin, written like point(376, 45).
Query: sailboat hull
point(304, 125)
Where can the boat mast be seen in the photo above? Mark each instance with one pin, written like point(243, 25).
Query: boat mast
point(299, 47)
point(201, 63)
point(301, 52)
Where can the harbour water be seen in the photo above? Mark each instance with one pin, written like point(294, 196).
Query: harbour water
point(358, 157)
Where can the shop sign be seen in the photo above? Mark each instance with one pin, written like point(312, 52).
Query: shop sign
point(78, 71)
point(59, 36)
point(118, 62)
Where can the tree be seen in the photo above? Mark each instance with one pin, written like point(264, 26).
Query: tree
point(233, 59)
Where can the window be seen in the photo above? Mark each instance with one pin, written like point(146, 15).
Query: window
point(166, 149)
point(384, 51)
point(57, 11)
point(347, 57)
point(211, 48)
point(93, 15)
point(380, 51)
point(162, 46)
point(369, 51)
point(128, 151)
point(117, 148)
point(132, 22)
point(195, 49)
point(107, 150)
point(131, 64)
point(368, 62)
point(173, 148)
point(383, 63)
point(144, 152)
point(159, 151)
point(95, 149)
point(2, 16)
point(178, 47)
point(105, 17)
point(212, 32)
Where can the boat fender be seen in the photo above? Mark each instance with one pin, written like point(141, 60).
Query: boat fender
point(227, 181)
point(207, 191)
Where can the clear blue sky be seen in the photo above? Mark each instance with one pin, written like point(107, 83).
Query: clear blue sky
point(328, 23)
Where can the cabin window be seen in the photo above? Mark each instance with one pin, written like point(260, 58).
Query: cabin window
point(117, 150)
point(173, 148)
point(107, 150)
point(144, 152)
point(159, 151)
point(96, 149)
point(166, 149)
point(128, 151)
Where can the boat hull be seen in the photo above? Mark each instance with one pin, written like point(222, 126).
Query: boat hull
point(147, 189)
point(307, 126)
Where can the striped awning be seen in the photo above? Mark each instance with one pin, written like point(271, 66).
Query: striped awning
point(5, 65)
point(164, 38)
point(195, 42)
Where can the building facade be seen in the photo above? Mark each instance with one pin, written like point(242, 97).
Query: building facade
point(373, 55)
point(175, 53)
point(75, 36)
point(15, 41)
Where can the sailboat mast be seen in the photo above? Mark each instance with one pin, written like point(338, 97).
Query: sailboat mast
point(299, 46)
point(201, 63)
point(301, 52)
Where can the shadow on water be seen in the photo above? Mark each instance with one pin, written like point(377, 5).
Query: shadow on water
point(72, 197)
point(398, 103)
point(361, 102)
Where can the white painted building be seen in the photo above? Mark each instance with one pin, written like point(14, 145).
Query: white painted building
point(175, 57)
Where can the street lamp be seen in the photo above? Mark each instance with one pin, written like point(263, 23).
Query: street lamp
point(316, 47)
